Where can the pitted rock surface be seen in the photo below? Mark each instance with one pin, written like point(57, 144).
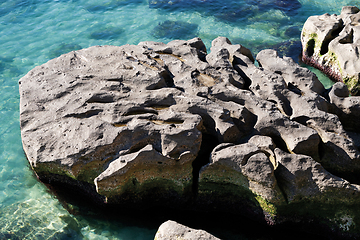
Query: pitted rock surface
point(157, 124)
point(331, 44)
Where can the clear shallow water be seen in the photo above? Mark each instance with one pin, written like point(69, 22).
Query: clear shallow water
point(34, 31)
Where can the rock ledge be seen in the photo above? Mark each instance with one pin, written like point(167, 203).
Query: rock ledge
point(170, 125)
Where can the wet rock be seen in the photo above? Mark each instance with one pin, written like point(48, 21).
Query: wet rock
point(330, 43)
point(174, 230)
point(169, 125)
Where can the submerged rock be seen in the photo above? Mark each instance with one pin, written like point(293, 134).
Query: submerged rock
point(106, 33)
point(175, 29)
point(62, 49)
point(330, 43)
point(169, 125)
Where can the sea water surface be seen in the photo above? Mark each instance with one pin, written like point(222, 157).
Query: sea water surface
point(35, 31)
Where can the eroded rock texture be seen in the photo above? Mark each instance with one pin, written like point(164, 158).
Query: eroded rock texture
point(170, 125)
point(331, 43)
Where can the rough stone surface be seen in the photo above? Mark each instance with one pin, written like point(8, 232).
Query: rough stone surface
point(169, 125)
point(331, 43)
point(173, 230)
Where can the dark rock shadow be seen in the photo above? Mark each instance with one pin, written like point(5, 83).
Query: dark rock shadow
point(106, 33)
point(175, 30)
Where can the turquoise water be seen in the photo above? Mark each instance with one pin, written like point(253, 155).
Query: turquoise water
point(35, 31)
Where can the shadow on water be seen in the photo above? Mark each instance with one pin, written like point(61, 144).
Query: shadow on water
point(175, 30)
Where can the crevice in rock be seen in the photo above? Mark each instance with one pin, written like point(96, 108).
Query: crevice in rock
point(302, 120)
point(208, 143)
point(247, 80)
point(168, 76)
point(101, 98)
point(310, 48)
point(325, 44)
point(279, 142)
point(348, 39)
point(139, 111)
point(86, 114)
point(294, 89)
point(280, 182)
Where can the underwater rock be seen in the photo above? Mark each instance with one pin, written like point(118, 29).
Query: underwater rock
point(169, 125)
point(293, 32)
point(289, 48)
point(63, 48)
point(106, 33)
point(289, 7)
point(175, 30)
point(330, 43)
point(227, 11)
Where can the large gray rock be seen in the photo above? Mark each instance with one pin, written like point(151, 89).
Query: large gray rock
point(331, 43)
point(170, 125)
point(173, 230)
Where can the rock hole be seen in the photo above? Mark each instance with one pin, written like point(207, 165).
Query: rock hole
point(310, 47)
point(208, 143)
point(325, 44)
point(294, 89)
point(134, 181)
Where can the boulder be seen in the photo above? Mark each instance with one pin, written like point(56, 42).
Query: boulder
point(173, 230)
point(168, 125)
point(330, 43)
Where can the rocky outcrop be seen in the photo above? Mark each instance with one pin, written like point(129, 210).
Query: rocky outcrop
point(173, 230)
point(331, 43)
point(169, 125)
